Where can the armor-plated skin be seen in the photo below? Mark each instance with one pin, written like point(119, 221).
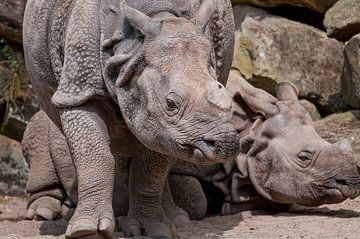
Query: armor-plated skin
point(118, 82)
point(331, 176)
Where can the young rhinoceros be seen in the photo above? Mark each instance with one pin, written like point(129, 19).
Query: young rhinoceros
point(283, 160)
point(332, 178)
point(137, 80)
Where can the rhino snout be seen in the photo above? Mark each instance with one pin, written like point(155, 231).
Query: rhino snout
point(343, 144)
point(219, 145)
point(345, 171)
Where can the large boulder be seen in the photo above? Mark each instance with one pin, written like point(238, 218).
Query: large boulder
point(271, 49)
point(343, 125)
point(317, 5)
point(342, 21)
point(350, 77)
point(13, 168)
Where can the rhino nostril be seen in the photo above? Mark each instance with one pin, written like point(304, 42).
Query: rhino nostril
point(341, 182)
point(209, 143)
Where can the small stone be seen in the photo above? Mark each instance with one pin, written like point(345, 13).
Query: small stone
point(342, 20)
point(343, 125)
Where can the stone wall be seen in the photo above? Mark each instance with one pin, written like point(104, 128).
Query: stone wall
point(313, 43)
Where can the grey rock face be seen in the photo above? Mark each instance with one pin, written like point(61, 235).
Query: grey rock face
point(13, 168)
point(350, 78)
point(342, 125)
point(270, 49)
point(317, 5)
point(342, 20)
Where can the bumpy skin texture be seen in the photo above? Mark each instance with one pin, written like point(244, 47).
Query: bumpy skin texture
point(52, 177)
point(234, 186)
point(118, 80)
point(282, 160)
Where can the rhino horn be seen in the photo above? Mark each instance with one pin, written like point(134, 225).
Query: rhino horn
point(286, 91)
point(145, 24)
point(343, 144)
point(205, 12)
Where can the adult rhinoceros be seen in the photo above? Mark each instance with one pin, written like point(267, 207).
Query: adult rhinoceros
point(283, 161)
point(134, 79)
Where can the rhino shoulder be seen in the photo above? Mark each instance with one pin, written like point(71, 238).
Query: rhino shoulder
point(77, 62)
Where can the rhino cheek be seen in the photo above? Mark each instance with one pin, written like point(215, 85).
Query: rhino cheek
point(259, 173)
point(135, 103)
point(276, 180)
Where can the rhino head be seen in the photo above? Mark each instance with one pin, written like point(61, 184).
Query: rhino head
point(289, 162)
point(174, 104)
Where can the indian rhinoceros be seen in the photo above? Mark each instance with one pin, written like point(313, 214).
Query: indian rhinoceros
point(139, 78)
point(307, 170)
point(282, 161)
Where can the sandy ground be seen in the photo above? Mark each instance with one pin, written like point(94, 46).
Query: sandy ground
point(329, 221)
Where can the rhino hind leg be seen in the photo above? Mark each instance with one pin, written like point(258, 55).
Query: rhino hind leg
point(44, 208)
point(189, 195)
point(45, 190)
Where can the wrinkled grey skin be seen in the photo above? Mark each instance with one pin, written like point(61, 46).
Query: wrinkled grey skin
point(331, 177)
point(118, 82)
point(282, 160)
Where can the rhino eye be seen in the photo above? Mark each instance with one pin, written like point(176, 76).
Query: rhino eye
point(173, 101)
point(305, 155)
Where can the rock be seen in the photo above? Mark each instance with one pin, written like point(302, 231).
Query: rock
point(13, 125)
point(311, 108)
point(13, 168)
point(350, 78)
point(270, 49)
point(342, 20)
point(11, 15)
point(317, 5)
point(344, 125)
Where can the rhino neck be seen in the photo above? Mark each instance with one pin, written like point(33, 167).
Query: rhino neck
point(153, 7)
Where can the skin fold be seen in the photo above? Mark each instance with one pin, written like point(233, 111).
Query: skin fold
point(141, 79)
point(228, 188)
point(283, 160)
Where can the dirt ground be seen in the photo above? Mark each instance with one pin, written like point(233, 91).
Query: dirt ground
point(329, 221)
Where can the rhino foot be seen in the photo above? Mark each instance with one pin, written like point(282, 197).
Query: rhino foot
point(133, 227)
point(175, 216)
point(180, 218)
point(101, 226)
point(44, 208)
point(67, 209)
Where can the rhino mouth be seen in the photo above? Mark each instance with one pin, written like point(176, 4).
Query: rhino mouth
point(205, 148)
point(208, 152)
point(347, 191)
point(339, 188)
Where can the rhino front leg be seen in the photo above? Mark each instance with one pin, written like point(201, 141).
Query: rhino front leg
point(89, 144)
point(177, 216)
point(189, 195)
point(148, 174)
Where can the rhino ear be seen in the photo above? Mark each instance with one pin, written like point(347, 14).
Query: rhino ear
point(286, 91)
point(146, 25)
point(205, 12)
